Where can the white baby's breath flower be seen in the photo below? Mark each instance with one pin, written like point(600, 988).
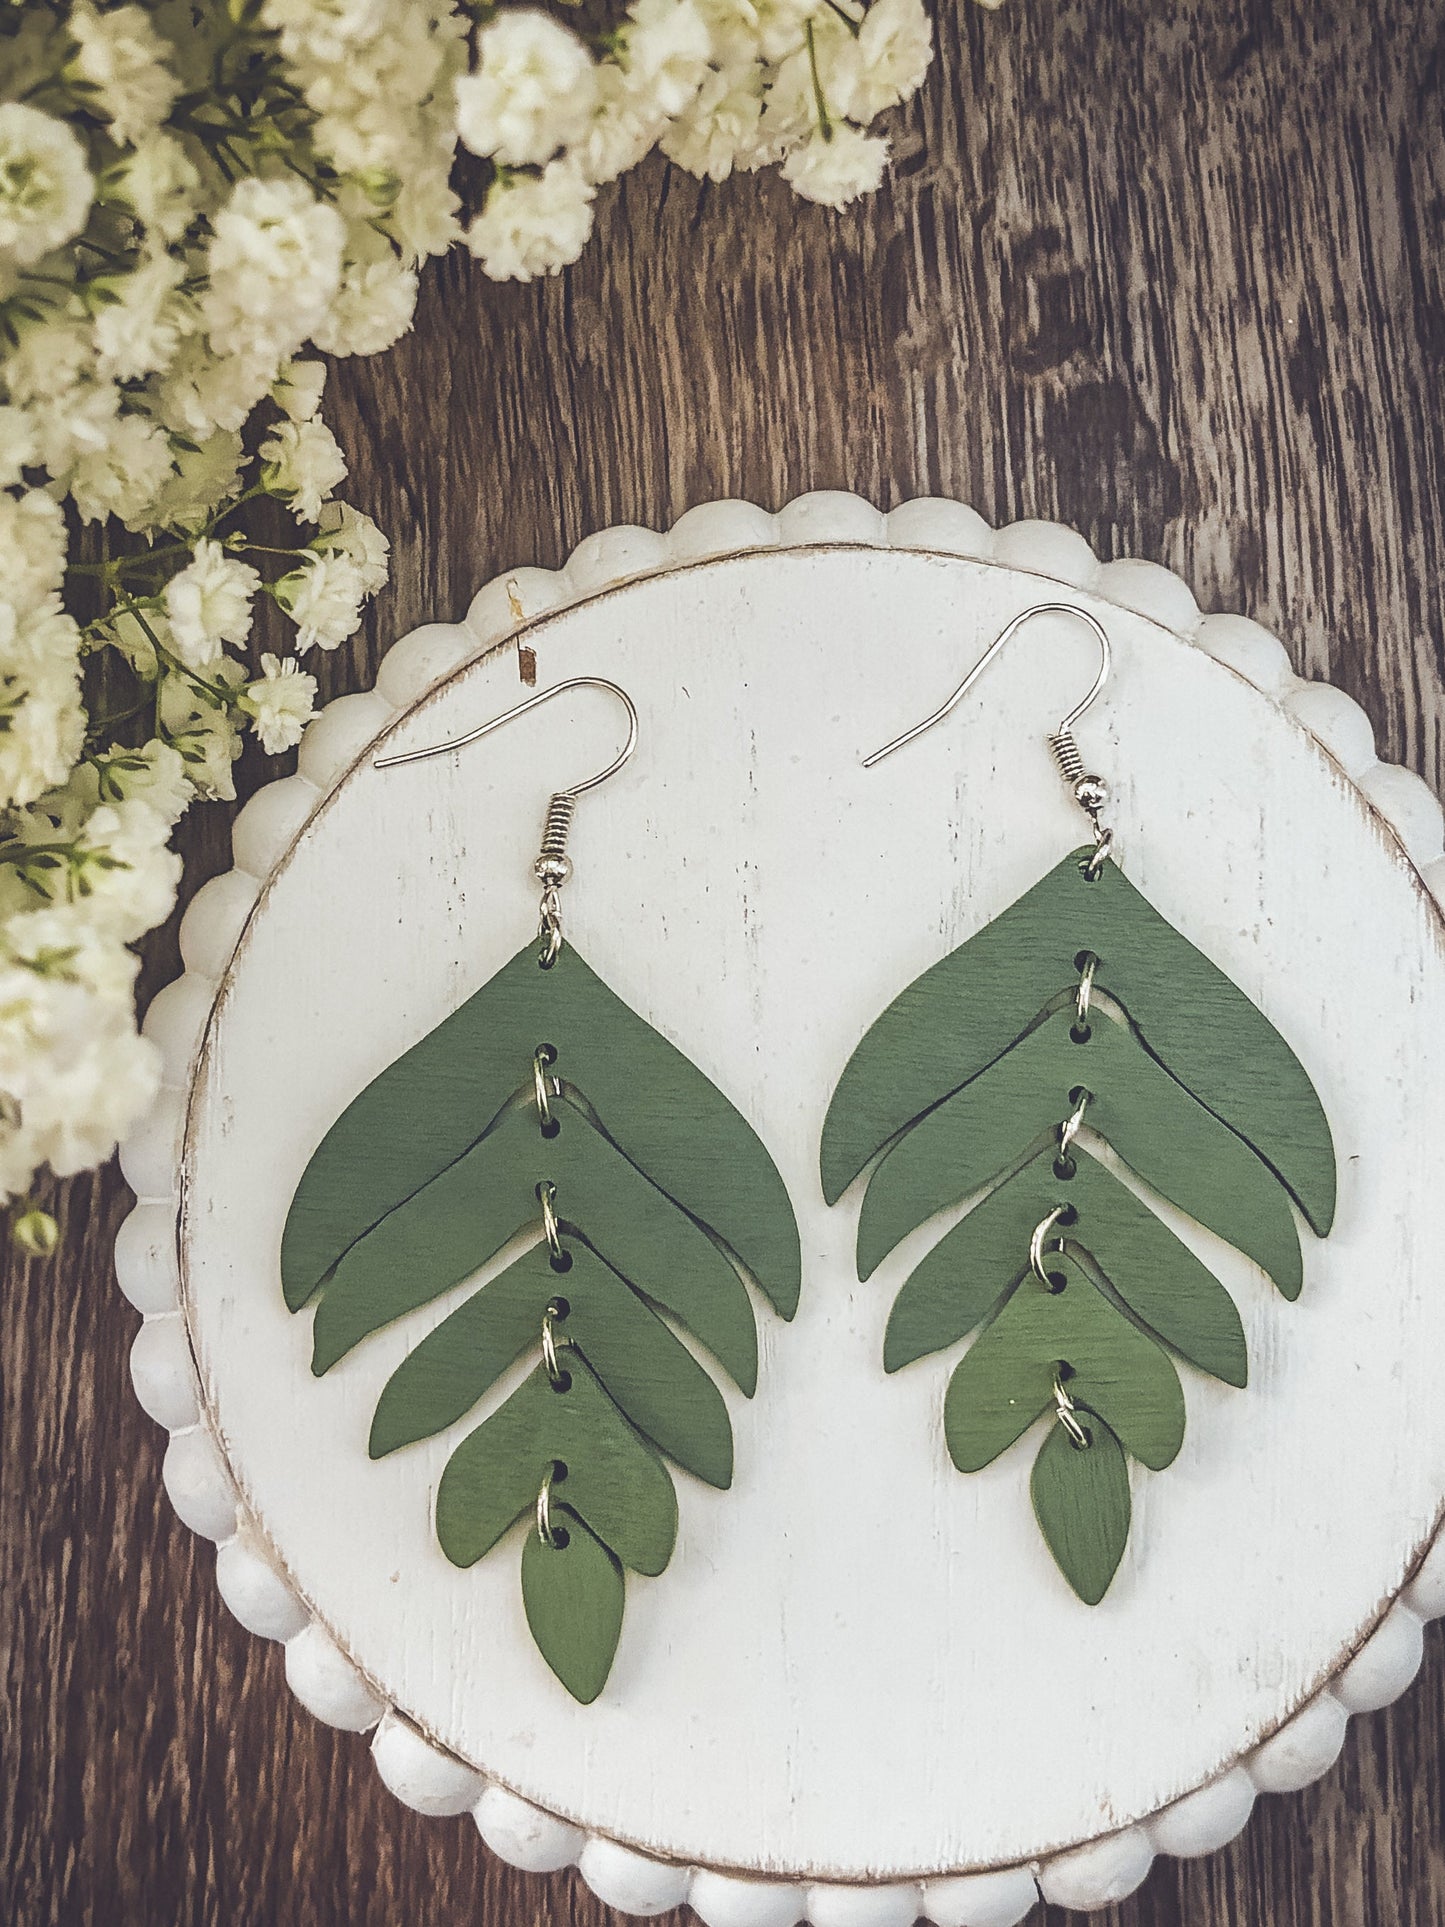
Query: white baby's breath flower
point(32, 543)
point(373, 308)
point(60, 940)
point(50, 357)
point(201, 391)
point(624, 126)
point(18, 444)
point(782, 25)
point(349, 532)
point(78, 423)
point(422, 219)
point(155, 774)
point(138, 329)
point(791, 111)
point(534, 224)
point(666, 47)
point(274, 266)
point(323, 30)
point(129, 882)
point(202, 478)
point(733, 29)
point(364, 127)
point(86, 1106)
point(297, 389)
point(302, 460)
point(159, 182)
point(836, 169)
point(281, 701)
point(533, 91)
point(718, 130)
point(120, 61)
point(323, 597)
point(42, 722)
point(200, 728)
point(209, 603)
point(46, 187)
point(74, 1074)
point(125, 474)
point(894, 47)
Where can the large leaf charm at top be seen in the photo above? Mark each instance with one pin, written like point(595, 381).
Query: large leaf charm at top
point(966, 1084)
point(544, 1103)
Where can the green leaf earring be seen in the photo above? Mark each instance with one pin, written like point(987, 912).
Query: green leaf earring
point(1077, 1023)
point(545, 1105)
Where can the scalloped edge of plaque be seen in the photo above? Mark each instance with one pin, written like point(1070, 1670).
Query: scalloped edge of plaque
point(195, 1473)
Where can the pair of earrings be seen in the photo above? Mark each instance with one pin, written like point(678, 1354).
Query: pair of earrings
point(1077, 1036)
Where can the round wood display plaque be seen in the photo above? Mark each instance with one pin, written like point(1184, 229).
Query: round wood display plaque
point(861, 1690)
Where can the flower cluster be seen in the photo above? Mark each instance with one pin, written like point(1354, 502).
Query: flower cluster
point(719, 85)
point(180, 215)
point(193, 201)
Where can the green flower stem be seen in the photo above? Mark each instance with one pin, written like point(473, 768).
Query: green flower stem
point(825, 124)
point(127, 607)
point(103, 726)
point(218, 692)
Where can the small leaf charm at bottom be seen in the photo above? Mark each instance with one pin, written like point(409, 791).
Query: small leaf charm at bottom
point(1081, 1501)
point(573, 1591)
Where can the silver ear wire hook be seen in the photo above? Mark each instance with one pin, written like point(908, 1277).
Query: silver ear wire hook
point(1091, 793)
point(553, 865)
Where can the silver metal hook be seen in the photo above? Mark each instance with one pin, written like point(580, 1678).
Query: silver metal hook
point(1005, 636)
point(1091, 793)
point(553, 865)
point(400, 756)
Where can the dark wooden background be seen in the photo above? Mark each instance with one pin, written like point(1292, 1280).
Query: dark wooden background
point(1168, 272)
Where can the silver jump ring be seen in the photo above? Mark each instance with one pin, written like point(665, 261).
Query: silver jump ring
point(1103, 845)
point(1073, 1123)
point(1042, 1229)
point(559, 1378)
point(1086, 991)
point(542, 1056)
point(1066, 1412)
point(547, 1198)
point(549, 927)
point(546, 1532)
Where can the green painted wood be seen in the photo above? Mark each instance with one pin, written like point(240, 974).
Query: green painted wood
point(432, 1105)
point(958, 1282)
point(451, 1226)
point(573, 1594)
point(1004, 1381)
point(1176, 1145)
point(1081, 1501)
point(643, 1367)
point(666, 1197)
point(613, 1479)
point(961, 1014)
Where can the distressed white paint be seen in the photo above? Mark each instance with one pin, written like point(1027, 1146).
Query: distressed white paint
point(759, 898)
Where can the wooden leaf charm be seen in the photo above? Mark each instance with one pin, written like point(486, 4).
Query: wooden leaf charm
point(573, 1594)
point(545, 1104)
point(1081, 1501)
point(964, 1085)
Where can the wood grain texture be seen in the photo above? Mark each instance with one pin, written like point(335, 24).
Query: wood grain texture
point(1172, 275)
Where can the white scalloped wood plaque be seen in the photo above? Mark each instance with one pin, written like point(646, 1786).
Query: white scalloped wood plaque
point(843, 1699)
